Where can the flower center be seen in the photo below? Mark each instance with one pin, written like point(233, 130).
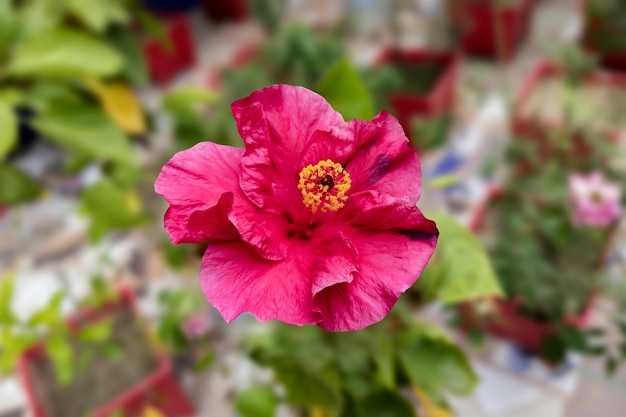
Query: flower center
point(324, 186)
point(596, 197)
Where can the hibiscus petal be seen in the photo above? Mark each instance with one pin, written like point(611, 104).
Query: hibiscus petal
point(200, 184)
point(277, 124)
point(206, 202)
point(389, 263)
point(336, 261)
point(373, 210)
point(235, 279)
point(384, 161)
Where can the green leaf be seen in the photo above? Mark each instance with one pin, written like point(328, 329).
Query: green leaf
point(385, 364)
point(128, 45)
point(13, 345)
point(37, 16)
point(8, 129)
point(17, 187)
point(111, 206)
point(460, 269)
point(183, 102)
point(6, 296)
point(205, 362)
point(98, 14)
point(96, 332)
point(433, 362)
point(86, 130)
point(8, 27)
point(303, 385)
point(112, 351)
point(50, 315)
point(60, 352)
point(385, 403)
point(66, 53)
point(343, 88)
point(257, 401)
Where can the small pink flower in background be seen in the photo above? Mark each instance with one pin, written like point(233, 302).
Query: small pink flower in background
point(314, 222)
point(196, 325)
point(597, 200)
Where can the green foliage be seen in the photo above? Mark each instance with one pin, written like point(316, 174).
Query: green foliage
point(64, 52)
point(385, 403)
point(177, 306)
point(86, 130)
point(362, 373)
point(604, 26)
point(48, 326)
point(539, 255)
point(111, 206)
point(257, 401)
point(460, 269)
point(98, 15)
point(8, 133)
point(343, 88)
point(299, 56)
point(16, 187)
point(429, 133)
point(50, 51)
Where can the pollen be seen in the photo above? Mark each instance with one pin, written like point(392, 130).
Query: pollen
point(324, 186)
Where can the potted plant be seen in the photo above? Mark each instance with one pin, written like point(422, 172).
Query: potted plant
point(572, 99)
point(186, 329)
point(494, 28)
point(419, 87)
point(66, 78)
point(101, 361)
point(604, 24)
point(548, 230)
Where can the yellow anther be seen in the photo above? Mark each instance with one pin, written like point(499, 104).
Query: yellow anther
point(324, 186)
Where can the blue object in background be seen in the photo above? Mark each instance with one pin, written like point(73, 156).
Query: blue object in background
point(170, 5)
point(447, 165)
point(519, 359)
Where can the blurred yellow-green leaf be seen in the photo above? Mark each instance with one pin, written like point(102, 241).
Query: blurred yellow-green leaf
point(86, 130)
point(64, 52)
point(17, 187)
point(256, 401)
point(120, 104)
point(97, 15)
point(343, 88)
point(460, 269)
point(8, 129)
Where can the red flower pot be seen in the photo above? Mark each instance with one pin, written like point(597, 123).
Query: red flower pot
point(439, 101)
point(166, 61)
point(615, 60)
point(526, 128)
point(509, 322)
point(495, 31)
point(159, 389)
point(225, 10)
point(507, 318)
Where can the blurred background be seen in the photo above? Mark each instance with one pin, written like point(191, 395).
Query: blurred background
point(513, 107)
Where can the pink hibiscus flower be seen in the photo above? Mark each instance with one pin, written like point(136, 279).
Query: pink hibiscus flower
point(597, 201)
point(314, 222)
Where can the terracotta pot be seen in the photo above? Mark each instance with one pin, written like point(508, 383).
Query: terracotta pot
point(439, 101)
point(166, 61)
point(526, 128)
point(225, 10)
point(158, 389)
point(494, 31)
